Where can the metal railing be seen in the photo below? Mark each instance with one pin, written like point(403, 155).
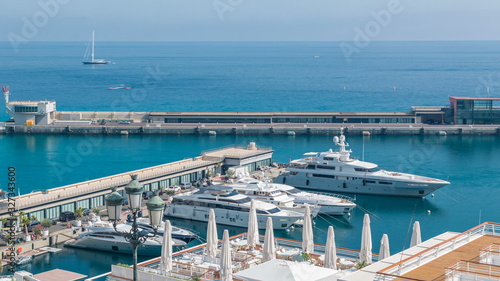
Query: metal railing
point(395, 271)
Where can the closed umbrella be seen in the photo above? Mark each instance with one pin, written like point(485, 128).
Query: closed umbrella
point(307, 233)
point(384, 248)
point(365, 254)
point(330, 250)
point(416, 238)
point(226, 270)
point(166, 249)
point(269, 248)
point(212, 238)
point(253, 228)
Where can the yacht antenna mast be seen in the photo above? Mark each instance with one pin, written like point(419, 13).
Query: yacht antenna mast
point(6, 93)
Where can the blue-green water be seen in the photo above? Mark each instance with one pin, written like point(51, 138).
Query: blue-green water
point(470, 163)
point(262, 76)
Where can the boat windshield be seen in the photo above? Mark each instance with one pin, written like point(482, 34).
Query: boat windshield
point(294, 191)
point(365, 170)
point(237, 201)
point(270, 211)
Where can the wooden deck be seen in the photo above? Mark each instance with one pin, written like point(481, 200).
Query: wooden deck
point(436, 268)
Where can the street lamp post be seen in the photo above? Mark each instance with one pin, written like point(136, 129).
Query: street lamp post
point(155, 207)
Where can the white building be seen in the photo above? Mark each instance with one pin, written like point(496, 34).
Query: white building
point(29, 112)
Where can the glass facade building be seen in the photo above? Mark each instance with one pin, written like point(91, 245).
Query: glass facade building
point(469, 111)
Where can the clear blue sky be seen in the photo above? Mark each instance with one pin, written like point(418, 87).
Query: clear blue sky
point(249, 20)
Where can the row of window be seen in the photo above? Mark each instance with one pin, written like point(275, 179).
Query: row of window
point(22, 108)
point(287, 120)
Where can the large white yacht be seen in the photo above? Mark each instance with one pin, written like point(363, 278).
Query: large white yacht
point(336, 171)
point(267, 192)
point(231, 208)
point(105, 238)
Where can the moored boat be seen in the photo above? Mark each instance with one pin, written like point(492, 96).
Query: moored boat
point(231, 208)
point(336, 171)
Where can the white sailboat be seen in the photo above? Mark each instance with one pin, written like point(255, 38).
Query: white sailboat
point(92, 59)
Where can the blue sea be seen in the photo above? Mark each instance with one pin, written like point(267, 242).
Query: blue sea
point(266, 76)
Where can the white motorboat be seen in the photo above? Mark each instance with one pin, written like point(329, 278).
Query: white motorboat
point(105, 238)
point(23, 259)
point(336, 171)
point(330, 204)
point(266, 192)
point(231, 208)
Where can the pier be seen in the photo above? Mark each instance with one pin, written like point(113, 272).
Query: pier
point(90, 194)
point(290, 129)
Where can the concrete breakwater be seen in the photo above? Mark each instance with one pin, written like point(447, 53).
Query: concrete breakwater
point(255, 129)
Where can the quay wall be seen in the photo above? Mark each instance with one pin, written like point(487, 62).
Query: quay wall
point(254, 129)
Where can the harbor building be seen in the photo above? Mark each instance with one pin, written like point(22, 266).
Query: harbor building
point(90, 194)
point(29, 112)
point(470, 111)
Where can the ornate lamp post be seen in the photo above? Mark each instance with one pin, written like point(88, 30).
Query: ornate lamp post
point(155, 207)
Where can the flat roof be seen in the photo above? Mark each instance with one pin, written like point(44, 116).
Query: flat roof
point(437, 267)
point(59, 275)
point(269, 114)
point(467, 98)
point(237, 151)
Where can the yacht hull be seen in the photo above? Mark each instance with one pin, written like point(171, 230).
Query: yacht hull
point(114, 246)
point(360, 186)
point(227, 217)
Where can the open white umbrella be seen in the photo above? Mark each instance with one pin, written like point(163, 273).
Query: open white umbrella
point(365, 254)
point(166, 249)
point(307, 233)
point(269, 248)
point(330, 250)
point(226, 270)
point(385, 251)
point(212, 238)
point(416, 237)
point(253, 227)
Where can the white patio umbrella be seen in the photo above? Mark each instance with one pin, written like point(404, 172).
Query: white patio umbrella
point(307, 233)
point(384, 248)
point(212, 238)
point(330, 250)
point(253, 227)
point(226, 270)
point(416, 238)
point(269, 248)
point(365, 254)
point(166, 249)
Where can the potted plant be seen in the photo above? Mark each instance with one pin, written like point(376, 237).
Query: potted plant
point(2, 222)
point(97, 212)
point(46, 223)
point(170, 193)
point(37, 230)
point(78, 214)
point(24, 220)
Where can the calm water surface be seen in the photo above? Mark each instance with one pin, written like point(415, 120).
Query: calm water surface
point(470, 163)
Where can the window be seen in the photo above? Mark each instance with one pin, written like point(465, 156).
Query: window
point(323, 176)
point(31, 109)
point(326, 167)
point(312, 167)
point(384, 182)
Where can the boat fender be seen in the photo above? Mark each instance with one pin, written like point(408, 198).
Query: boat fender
point(344, 185)
point(364, 182)
point(19, 250)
